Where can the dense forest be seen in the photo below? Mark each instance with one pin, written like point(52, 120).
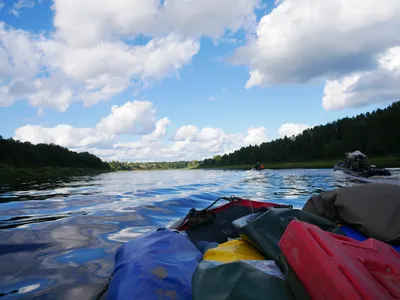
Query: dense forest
point(16, 154)
point(375, 134)
point(26, 155)
point(121, 166)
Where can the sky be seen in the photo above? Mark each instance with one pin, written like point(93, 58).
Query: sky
point(154, 80)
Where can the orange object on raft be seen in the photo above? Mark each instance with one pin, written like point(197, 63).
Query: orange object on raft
point(332, 266)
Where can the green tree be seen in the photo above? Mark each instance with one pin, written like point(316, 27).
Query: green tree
point(374, 133)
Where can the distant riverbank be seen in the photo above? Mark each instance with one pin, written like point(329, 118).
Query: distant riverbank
point(10, 174)
point(384, 162)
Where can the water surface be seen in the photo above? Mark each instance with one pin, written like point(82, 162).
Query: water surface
point(58, 238)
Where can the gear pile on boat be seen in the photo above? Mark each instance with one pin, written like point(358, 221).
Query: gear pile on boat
point(343, 244)
point(356, 164)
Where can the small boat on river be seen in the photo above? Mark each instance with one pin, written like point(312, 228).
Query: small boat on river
point(258, 167)
point(246, 249)
point(356, 164)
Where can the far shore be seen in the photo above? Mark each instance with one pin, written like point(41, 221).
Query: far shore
point(384, 162)
point(8, 174)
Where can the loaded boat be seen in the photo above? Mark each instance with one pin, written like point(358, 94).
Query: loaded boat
point(356, 164)
point(258, 167)
point(343, 244)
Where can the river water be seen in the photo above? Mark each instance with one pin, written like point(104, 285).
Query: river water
point(58, 238)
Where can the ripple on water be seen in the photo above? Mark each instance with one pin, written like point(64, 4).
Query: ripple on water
point(58, 238)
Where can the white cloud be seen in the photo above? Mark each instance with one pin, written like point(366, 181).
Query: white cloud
point(358, 89)
point(108, 68)
point(185, 132)
point(301, 40)
point(305, 40)
point(155, 59)
point(63, 135)
point(51, 73)
point(212, 98)
point(151, 147)
point(151, 141)
point(213, 141)
point(256, 136)
point(289, 129)
point(108, 20)
point(209, 134)
point(19, 57)
point(136, 118)
point(5, 98)
point(93, 55)
point(59, 100)
point(159, 132)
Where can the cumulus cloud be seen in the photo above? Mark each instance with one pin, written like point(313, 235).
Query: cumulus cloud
point(358, 89)
point(187, 143)
point(159, 132)
point(94, 55)
point(290, 129)
point(63, 135)
point(136, 118)
point(185, 132)
point(52, 73)
point(255, 136)
point(19, 56)
point(304, 40)
point(89, 61)
point(108, 20)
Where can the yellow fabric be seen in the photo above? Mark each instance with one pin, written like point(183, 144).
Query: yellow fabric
point(233, 251)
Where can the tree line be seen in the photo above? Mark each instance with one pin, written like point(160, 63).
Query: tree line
point(14, 153)
point(131, 166)
point(17, 154)
point(375, 134)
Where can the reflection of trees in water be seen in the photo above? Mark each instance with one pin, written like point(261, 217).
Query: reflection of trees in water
point(51, 188)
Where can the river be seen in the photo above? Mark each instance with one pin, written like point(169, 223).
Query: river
point(58, 238)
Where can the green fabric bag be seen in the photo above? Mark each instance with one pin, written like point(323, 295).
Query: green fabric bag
point(296, 286)
point(240, 280)
point(265, 230)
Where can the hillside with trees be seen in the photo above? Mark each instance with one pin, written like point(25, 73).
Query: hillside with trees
point(16, 154)
point(376, 134)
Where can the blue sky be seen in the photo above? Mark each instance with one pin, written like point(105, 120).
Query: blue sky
point(201, 78)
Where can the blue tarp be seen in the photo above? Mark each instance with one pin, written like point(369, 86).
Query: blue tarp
point(158, 265)
point(355, 234)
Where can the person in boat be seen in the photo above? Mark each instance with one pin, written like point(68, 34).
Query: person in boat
point(359, 164)
point(356, 166)
point(259, 166)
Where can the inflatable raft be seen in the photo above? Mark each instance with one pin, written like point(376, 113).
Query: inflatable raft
point(254, 250)
point(364, 173)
